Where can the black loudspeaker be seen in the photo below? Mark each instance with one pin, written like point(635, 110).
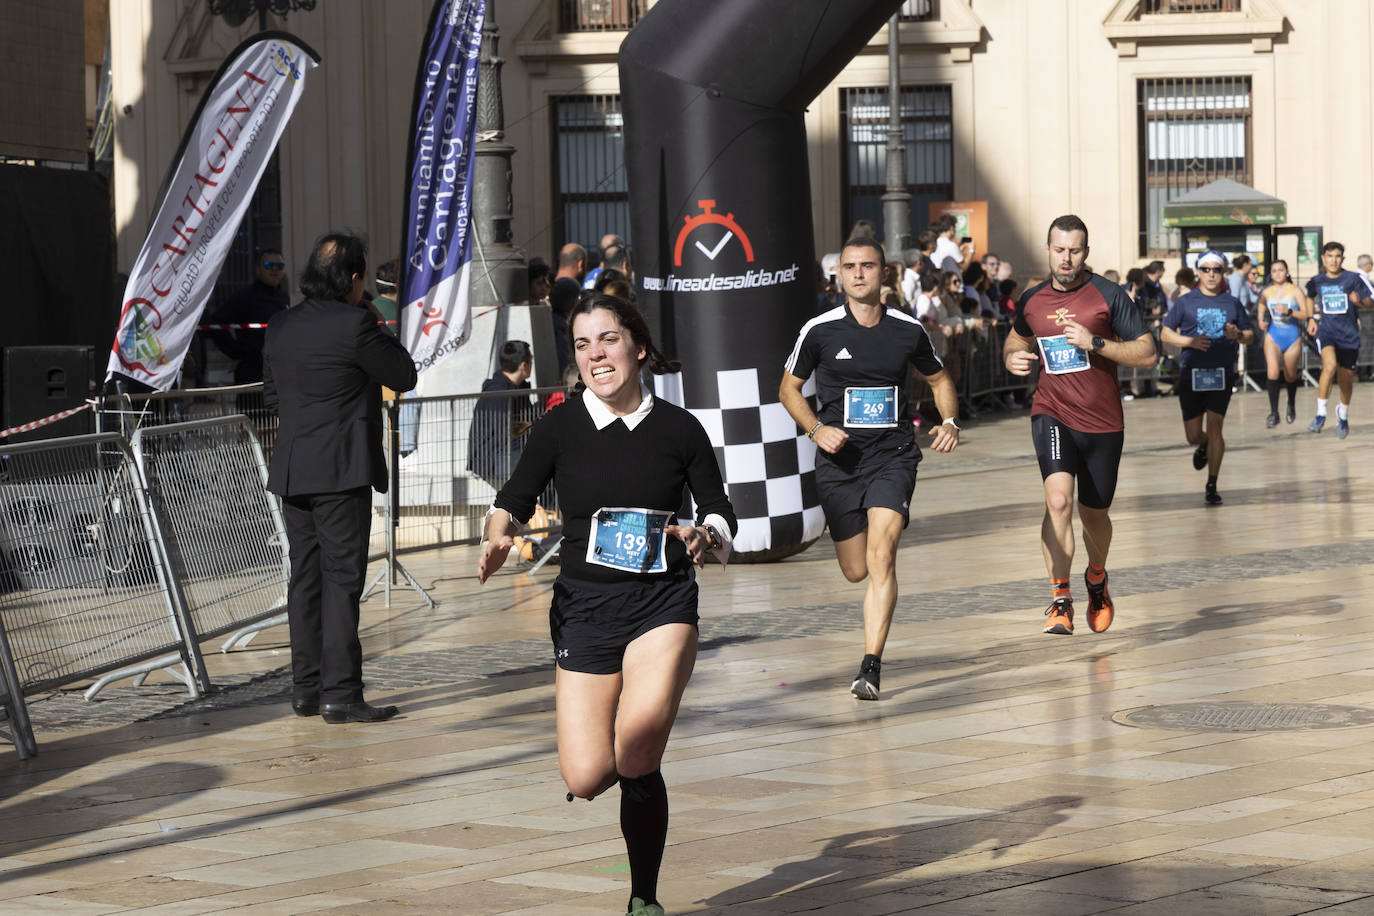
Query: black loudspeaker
point(42, 381)
point(69, 535)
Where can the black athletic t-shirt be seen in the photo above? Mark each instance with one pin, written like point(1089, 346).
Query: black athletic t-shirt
point(843, 353)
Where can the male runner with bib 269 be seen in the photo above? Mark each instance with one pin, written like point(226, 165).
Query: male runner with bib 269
point(866, 447)
point(1081, 327)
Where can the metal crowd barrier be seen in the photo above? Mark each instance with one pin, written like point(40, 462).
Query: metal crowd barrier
point(983, 371)
point(225, 535)
point(443, 500)
point(128, 413)
point(452, 458)
point(84, 588)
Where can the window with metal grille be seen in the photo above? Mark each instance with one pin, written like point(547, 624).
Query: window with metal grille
point(1192, 131)
point(928, 128)
point(1191, 6)
point(591, 197)
point(599, 15)
point(919, 11)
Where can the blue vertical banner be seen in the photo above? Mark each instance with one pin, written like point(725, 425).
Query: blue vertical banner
point(436, 313)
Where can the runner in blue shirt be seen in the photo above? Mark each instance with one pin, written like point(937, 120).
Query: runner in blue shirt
point(1209, 324)
point(1335, 294)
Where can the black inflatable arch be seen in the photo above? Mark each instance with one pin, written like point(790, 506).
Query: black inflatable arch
point(715, 148)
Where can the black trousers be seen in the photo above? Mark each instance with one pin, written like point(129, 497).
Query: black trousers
point(328, 534)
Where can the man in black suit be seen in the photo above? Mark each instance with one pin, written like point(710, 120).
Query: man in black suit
point(324, 363)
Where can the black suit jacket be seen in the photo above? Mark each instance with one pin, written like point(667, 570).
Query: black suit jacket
point(323, 367)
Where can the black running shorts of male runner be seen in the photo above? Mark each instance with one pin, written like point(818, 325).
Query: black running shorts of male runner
point(1193, 403)
point(883, 478)
point(1346, 357)
point(1093, 458)
point(593, 622)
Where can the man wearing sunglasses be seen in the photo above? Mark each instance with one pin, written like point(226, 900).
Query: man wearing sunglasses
point(1209, 324)
point(255, 303)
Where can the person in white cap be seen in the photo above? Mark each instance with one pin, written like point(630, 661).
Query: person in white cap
point(1209, 324)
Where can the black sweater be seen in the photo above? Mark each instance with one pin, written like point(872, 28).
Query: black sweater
point(646, 468)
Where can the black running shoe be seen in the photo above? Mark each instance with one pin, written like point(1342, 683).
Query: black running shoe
point(1291, 415)
point(865, 685)
point(1200, 457)
point(1213, 498)
point(1271, 421)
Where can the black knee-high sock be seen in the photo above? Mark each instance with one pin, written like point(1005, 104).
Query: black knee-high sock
point(1273, 395)
point(644, 824)
point(1292, 394)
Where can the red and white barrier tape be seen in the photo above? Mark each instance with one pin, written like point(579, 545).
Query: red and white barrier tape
point(252, 326)
point(39, 424)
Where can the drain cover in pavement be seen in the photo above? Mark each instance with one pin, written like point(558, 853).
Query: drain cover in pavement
point(1245, 717)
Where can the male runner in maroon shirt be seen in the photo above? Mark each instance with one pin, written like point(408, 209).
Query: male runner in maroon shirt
point(1081, 327)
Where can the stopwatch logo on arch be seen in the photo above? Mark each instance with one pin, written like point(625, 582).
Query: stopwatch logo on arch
point(703, 238)
point(708, 242)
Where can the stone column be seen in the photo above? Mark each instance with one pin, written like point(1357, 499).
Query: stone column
point(896, 199)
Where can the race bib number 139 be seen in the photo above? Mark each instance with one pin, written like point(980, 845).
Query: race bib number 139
point(632, 540)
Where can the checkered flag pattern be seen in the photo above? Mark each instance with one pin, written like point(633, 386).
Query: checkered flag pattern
point(768, 465)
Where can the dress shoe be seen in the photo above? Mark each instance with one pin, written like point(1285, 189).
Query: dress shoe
point(335, 713)
point(305, 708)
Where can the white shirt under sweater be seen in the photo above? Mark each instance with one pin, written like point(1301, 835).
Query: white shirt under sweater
point(597, 460)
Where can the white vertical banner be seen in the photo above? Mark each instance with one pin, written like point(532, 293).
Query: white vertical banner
point(222, 156)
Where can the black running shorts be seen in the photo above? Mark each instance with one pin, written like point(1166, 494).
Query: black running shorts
point(1346, 357)
point(1093, 458)
point(592, 622)
point(883, 478)
point(1193, 403)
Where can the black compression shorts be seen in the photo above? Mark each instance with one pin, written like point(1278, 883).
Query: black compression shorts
point(1194, 403)
point(592, 622)
point(1093, 458)
point(884, 478)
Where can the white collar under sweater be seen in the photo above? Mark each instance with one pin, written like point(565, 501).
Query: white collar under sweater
point(601, 414)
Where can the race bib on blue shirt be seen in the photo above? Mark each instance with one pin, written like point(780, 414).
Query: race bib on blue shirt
point(1209, 379)
point(1060, 357)
point(871, 408)
point(632, 540)
point(1335, 301)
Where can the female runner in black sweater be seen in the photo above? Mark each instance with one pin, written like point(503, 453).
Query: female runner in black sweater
point(624, 613)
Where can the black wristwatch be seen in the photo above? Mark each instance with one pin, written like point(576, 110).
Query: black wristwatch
point(713, 541)
point(1098, 343)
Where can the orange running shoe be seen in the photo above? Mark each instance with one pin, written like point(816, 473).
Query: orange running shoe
point(1100, 608)
point(1060, 614)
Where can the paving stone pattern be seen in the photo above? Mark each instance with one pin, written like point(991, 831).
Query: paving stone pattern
point(65, 710)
